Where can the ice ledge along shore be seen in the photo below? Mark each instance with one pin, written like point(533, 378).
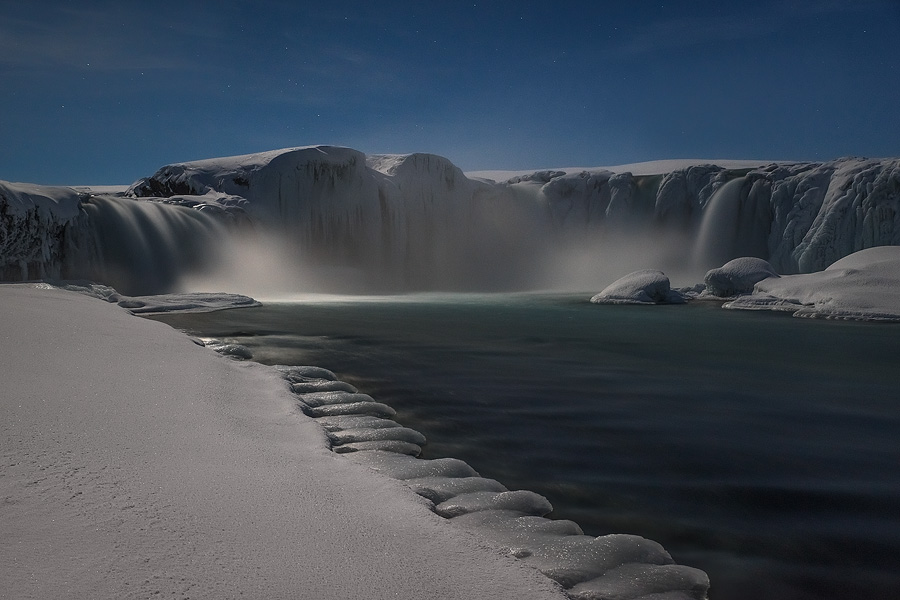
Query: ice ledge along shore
point(136, 463)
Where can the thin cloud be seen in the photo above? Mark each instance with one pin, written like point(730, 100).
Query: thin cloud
point(86, 38)
point(686, 32)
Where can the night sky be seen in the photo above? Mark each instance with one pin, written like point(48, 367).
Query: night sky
point(107, 92)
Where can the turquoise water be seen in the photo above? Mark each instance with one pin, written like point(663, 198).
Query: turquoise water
point(760, 448)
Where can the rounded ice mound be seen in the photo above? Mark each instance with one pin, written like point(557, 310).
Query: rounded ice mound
point(639, 580)
point(641, 287)
point(440, 489)
point(301, 373)
point(737, 276)
point(232, 350)
point(522, 501)
point(321, 385)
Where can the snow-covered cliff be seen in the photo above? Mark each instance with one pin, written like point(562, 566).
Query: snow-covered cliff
point(417, 222)
point(800, 216)
point(33, 224)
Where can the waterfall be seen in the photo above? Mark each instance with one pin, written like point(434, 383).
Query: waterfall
point(716, 237)
point(140, 247)
point(415, 222)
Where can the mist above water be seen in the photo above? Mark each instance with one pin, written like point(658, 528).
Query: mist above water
point(478, 258)
point(498, 245)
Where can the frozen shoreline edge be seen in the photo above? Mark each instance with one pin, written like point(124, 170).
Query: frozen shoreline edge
point(362, 429)
point(511, 523)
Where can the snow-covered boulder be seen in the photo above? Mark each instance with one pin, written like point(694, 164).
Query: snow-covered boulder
point(864, 286)
point(641, 287)
point(737, 276)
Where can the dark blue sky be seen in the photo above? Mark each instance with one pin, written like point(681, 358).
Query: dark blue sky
point(106, 92)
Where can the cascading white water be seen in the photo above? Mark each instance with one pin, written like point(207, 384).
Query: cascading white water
point(718, 227)
point(141, 247)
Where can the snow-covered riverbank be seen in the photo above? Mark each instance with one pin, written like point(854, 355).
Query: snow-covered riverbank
point(137, 463)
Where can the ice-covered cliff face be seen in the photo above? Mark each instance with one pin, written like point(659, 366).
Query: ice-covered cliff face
point(414, 222)
point(801, 217)
point(33, 226)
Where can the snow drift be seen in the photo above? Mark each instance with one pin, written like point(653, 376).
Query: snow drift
point(416, 222)
point(861, 287)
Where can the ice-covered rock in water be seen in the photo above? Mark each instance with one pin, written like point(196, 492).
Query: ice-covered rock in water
point(366, 434)
point(301, 373)
point(396, 446)
point(561, 551)
point(440, 489)
point(573, 559)
point(321, 385)
point(375, 409)
point(315, 399)
point(237, 351)
point(519, 501)
point(512, 528)
point(863, 286)
point(405, 467)
point(641, 287)
point(389, 439)
point(636, 581)
point(342, 422)
point(737, 276)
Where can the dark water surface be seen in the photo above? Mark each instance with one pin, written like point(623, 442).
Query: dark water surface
point(760, 448)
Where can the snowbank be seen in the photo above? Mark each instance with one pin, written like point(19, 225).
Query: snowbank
point(863, 286)
point(641, 287)
point(139, 464)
